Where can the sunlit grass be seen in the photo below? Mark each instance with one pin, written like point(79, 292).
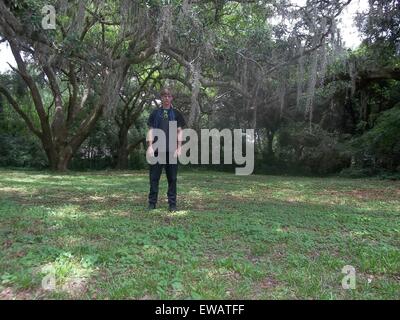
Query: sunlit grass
point(256, 237)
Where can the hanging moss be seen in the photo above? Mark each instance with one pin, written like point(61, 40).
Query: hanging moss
point(300, 76)
point(195, 83)
point(165, 27)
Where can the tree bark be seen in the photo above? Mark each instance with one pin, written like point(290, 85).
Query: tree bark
point(64, 159)
point(122, 153)
point(124, 149)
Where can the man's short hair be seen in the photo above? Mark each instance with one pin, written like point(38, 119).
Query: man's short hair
point(165, 91)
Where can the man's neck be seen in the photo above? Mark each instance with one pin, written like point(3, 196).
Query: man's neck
point(167, 107)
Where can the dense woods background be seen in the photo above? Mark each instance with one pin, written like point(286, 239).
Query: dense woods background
point(80, 94)
point(74, 104)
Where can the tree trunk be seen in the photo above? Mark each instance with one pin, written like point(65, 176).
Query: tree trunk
point(50, 153)
point(122, 159)
point(64, 159)
point(58, 160)
point(122, 153)
point(270, 140)
point(62, 165)
point(1, 105)
point(124, 149)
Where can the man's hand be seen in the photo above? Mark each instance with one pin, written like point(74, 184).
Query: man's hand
point(178, 152)
point(150, 151)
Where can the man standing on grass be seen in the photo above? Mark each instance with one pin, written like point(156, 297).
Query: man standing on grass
point(162, 119)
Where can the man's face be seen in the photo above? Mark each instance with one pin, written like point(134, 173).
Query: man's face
point(166, 99)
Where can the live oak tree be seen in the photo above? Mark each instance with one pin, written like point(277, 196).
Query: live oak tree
point(84, 63)
point(136, 94)
point(269, 65)
point(251, 61)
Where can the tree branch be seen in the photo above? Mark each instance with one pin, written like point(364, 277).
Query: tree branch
point(24, 116)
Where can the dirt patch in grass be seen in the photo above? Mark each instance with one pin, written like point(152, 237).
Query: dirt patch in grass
point(147, 297)
point(365, 194)
point(192, 203)
point(9, 293)
point(269, 283)
point(56, 198)
point(75, 287)
point(279, 251)
point(7, 244)
point(266, 285)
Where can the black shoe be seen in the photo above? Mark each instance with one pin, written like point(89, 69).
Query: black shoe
point(151, 206)
point(172, 208)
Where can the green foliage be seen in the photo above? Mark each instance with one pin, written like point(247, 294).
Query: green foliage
point(357, 172)
point(232, 41)
point(316, 152)
point(18, 147)
point(382, 141)
point(383, 138)
point(21, 151)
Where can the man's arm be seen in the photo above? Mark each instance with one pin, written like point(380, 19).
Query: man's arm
point(149, 138)
point(180, 136)
point(178, 151)
point(181, 123)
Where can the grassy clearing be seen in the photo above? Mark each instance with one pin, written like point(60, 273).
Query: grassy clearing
point(256, 237)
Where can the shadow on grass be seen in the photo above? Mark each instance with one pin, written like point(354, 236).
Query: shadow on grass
point(220, 245)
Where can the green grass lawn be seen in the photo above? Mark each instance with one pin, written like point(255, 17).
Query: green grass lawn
point(255, 237)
